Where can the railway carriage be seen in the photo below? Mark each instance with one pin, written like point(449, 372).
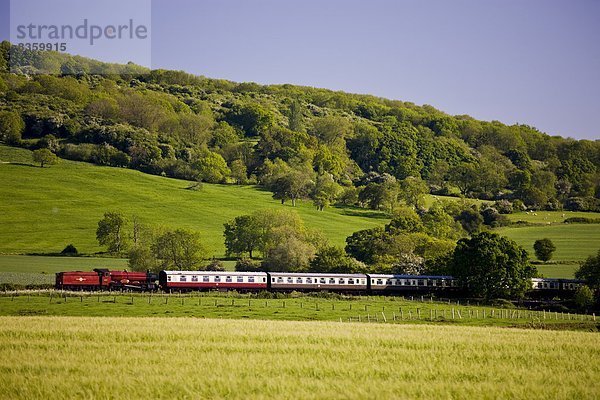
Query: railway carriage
point(310, 282)
point(553, 286)
point(392, 283)
point(212, 280)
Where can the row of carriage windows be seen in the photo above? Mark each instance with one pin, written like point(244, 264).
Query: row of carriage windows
point(556, 285)
point(330, 281)
point(227, 279)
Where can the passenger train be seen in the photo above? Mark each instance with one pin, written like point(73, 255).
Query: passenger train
point(176, 281)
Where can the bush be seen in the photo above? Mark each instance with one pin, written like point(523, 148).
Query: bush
point(544, 248)
point(70, 250)
point(504, 206)
point(582, 220)
point(583, 204)
point(215, 265)
point(78, 152)
point(247, 265)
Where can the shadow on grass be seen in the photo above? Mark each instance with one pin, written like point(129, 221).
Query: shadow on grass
point(362, 212)
point(21, 164)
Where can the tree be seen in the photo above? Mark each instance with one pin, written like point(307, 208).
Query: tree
point(326, 191)
point(333, 259)
point(292, 186)
point(212, 167)
point(141, 259)
point(239, 172)
point(584, 297)
point(11, 127)
point(252, 118)
point(590, 271)
point(544, 249)
point(243, 235)
point(492, 266)
point(413, 191)
point(179, 250)
point(465, 177)
point(110, 232)
point(44, 157)
point(295, 116)
point(470, 220)
point(289, 254)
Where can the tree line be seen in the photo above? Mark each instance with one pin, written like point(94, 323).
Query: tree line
point(489, 265)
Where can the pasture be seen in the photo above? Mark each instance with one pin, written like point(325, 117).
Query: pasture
point(44, 209)
point(574, 242)
point(133, 358)
point(367, 309)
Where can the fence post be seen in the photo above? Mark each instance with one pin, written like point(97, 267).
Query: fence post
point(452, 312)
point(384, 318)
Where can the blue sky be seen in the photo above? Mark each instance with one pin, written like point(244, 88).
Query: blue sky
point(535, 62)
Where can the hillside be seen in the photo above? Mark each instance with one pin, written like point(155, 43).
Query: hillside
point(295, 141)
point(44, 209)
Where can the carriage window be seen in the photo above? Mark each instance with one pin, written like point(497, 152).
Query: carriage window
point(332, 280)
point(290, 280)
point(205, 278)
point(168, 279)
point(194, 278)
point(299, 280)
point(388, 282)
point(379, 282)
point(308, 280)
point(217, 279)
point(251, 279)
point(350, 281)
point(182, 278)
point(322, 280)
point(280, 280)
point(342, 281)
point(240, 279)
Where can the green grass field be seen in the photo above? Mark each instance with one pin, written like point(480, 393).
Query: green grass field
point(43, 210)
point(133, 358)
point(391, 310)
point(574, 242)
point(550, 217)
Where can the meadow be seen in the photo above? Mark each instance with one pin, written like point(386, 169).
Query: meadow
point(366, 309)
point(132, 358)
point(574, 243)
point(47, 208)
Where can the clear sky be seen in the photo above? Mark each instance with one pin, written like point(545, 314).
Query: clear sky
point(535, 62)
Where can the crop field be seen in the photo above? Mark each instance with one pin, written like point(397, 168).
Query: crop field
point(44, 209)
point(133, 358)
point(366, 309)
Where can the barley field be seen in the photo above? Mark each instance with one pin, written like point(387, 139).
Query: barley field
point(187, 358)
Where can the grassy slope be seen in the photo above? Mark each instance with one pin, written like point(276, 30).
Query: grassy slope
point(574, 243)
point(54, 358)
point(51, 207)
